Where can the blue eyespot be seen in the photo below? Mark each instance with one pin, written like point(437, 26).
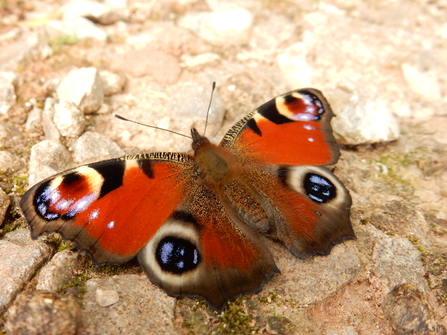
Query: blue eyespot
point(177, 255)
point(319, 188)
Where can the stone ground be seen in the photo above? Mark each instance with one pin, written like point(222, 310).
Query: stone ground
point(67, 66)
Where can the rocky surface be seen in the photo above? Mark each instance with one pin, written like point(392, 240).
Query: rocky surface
point(67, 66)
point(40, 312)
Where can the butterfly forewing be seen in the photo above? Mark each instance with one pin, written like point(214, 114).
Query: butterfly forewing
point(110, 208)
point(292, 129)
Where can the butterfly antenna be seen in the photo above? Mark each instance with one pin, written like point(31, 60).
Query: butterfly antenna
point(209, 107)
point(147, 125)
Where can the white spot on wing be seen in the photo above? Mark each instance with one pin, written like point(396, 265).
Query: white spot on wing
point(307, 99)
point(82, 204)
point(310, 139)
point(53, 195)
point(93, 215)
point(63, 204)
point(166, 251)
point(310, 109)
point(111, 224)
point(303, 117)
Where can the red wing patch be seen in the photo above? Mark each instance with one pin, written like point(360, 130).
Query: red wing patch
point(121, 221)
point(111, 217)
point(292, 129)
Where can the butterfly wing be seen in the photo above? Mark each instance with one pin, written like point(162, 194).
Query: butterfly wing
point(282, 145)
point(109, 208)
point(205, 250)
point(292, 129)
point(153, 205)
point(308, 206)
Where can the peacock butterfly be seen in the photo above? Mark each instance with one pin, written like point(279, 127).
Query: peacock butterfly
point(195, 222)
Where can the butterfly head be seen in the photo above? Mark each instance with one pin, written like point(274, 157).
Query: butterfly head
point(197, 139)
point(214, 162)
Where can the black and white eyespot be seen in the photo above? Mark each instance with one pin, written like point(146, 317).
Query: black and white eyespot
point(45, 195)
point(319, 188)
point(298, 106)
point(318, 183)
point(174, 256)
point(54, 198)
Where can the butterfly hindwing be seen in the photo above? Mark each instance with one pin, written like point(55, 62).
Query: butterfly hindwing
point(308, 206)
point(292, 129)
point(329, 202)
point(109, 208)
point(203, 249)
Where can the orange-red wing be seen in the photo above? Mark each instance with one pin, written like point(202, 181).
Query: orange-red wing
point(308, 208)
point(110, 208)
point(292, 129)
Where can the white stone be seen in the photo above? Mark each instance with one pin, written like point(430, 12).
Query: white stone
point(46, 159)
point(201, 59)
point(34, 119)
point(49, 128)
point(93, 146)
point(116, 12)
point(30, 44)
point(113, 83)
point(68, 119)
point(116, 3)
point(58, 271)
point(20, 258)
point(294, 67)
point(83, 87)
point(105, 13)
point(7, 92)
point(224, 28)
point(362, 116)
point(4, 204)
point(220, 5)
point(78, 27)
point(106, 298)
point(9, 77)
point(424, 83)
point(82, 8)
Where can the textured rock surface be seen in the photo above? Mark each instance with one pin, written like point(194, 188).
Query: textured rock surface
point(137, 297)
point(21, 257)
point(40, 312)
point(381, 66)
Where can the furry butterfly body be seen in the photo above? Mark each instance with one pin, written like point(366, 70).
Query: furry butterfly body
point(196, 223)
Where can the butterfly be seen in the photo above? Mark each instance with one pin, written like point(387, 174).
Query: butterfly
point(197, 223)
